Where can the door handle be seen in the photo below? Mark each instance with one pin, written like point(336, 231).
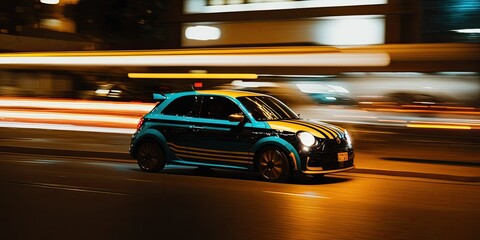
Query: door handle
point(196, 128)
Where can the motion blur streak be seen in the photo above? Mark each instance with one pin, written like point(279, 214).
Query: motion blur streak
point(438, 126)
point(68, 116)
point(194, 75)
point(276, 50)
point(425, 110)
point(72, 104)
point(307, 59)
point(309, 195)
point(67, 127)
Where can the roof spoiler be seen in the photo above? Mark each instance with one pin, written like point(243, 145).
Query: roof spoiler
point(159, 96)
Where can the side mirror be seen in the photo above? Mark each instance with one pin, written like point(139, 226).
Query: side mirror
point(236, 117)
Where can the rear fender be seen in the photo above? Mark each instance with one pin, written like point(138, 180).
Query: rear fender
point(157, 137)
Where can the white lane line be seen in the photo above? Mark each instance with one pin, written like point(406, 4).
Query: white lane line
point(69, 188)
point(309, 195)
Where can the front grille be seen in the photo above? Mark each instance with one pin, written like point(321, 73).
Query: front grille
point(325, 155)
point(331, 145)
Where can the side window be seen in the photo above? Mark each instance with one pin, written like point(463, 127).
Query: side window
point(216, 107)
point(180, 107)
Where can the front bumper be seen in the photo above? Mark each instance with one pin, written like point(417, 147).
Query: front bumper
point(324, 158)
point(327, 171)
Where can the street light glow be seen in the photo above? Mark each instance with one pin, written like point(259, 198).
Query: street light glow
point(467, 30)
point(203, 33)
point(50, 1)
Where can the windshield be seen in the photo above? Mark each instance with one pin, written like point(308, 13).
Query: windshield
point(264, 108)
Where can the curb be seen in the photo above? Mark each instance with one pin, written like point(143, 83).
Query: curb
point(126, 156)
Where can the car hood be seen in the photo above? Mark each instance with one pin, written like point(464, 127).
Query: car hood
point(318, 129)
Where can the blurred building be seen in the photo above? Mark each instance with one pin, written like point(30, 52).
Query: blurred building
point(29, 25)
point(44, 25)
point(325, 22)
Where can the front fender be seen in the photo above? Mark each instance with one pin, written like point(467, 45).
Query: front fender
point(282, 144)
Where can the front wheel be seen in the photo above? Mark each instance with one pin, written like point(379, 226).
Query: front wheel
point(150, 157)
point(273, 165)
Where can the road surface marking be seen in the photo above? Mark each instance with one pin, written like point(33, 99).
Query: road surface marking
point(309, 195)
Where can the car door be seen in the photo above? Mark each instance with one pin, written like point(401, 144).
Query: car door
point(174, 123)
point(215, 140)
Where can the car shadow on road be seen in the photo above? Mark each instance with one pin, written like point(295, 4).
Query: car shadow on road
point(249, 176)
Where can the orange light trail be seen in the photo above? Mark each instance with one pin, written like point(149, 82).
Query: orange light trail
point(440, 126)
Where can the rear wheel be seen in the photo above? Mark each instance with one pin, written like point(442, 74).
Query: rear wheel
point(273, 164)
point(150, 157)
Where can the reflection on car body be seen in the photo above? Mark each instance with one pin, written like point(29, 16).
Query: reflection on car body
point(238, 130)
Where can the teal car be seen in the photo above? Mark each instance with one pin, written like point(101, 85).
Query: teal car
point(238, 130)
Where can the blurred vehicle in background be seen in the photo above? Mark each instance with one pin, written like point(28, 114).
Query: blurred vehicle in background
point(127, 91)
point(118, 92)
point(327, 93)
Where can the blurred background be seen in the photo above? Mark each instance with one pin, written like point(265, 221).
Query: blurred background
point(403, 76)
point(396, 61)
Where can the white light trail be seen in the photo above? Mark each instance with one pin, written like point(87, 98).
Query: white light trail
point(308, 195)
point(68, 117)
point(77, 105)
point(251, 60)
point(66, 127)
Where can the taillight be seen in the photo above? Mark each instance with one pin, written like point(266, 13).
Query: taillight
point(140, 123)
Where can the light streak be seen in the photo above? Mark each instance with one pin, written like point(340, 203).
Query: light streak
point(251, 60)
point(194, 75)
point(78, 105)
point(467, 30)
point(66, 127)
point(440, 126)
point(68, 117)
point(309, 195)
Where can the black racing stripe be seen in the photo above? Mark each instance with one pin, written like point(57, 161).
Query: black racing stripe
point(332, 131)
point(338, 130)
point(218, 158)
point(217, 154)
point(208, 151)
point(305, 125)
point(319, 126)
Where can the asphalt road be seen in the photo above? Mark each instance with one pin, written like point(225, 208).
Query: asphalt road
point(48, 195)
point(51, 197)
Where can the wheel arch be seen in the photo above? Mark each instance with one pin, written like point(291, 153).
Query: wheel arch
point(154, 135)
point(289, 150)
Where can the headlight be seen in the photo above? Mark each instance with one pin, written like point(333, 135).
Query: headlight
point(348, 138)
point(306, 139)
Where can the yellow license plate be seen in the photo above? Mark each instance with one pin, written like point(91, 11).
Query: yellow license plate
point(342, 157)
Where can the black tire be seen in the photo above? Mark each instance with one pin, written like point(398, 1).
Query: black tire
point(150, 156)
point(273, 164)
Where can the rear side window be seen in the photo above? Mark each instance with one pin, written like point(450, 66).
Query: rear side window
point(182, 106)
point(217, 107)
